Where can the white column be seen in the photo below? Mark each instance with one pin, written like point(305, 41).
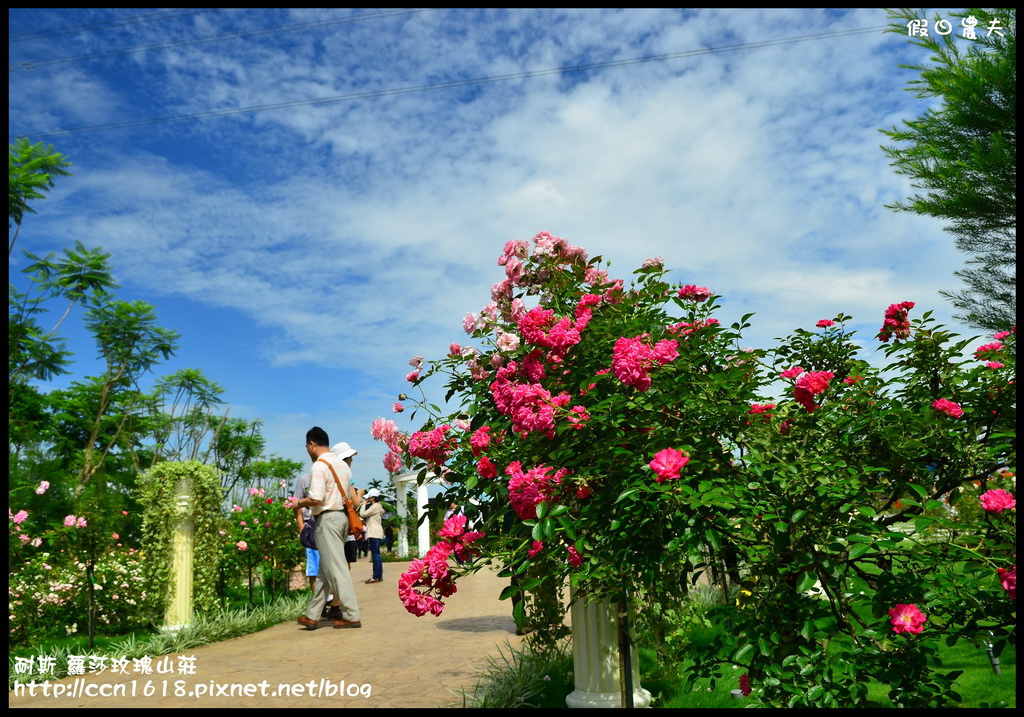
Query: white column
point(179, 610)
point(595, 658)
point(421, 510)
point(403, 511)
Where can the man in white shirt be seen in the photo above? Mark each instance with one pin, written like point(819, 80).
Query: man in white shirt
point(327, 505)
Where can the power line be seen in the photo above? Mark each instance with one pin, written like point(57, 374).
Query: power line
point(459, 83)
point(106, 24)
point(219, 38)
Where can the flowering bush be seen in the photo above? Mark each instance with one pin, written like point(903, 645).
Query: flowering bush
point(48, 596)
point(260, 540)
point(605, 435)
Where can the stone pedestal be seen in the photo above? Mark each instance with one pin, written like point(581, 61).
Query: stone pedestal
point(179, 610)
point(595, 658)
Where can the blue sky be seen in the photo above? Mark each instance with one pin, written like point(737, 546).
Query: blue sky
point(313, 196)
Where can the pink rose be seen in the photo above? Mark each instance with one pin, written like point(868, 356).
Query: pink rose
point(944, 405)
point(412, 376)
point(667, 464)
point(398, 408)
point(43, 487)
point(575, 559)
point(69, 521)
point(242, 545)
point(907, 619)
point(997, 500)
point(825, 323)
point(792, 372)
point(1009, 580)
point(20, 516)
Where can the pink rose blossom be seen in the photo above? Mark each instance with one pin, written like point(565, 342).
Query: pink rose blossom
point(392, 462)
point(242, 545)
point(485, 468)
point(20, 516)
point(416, 361)
point(1000, 335)
point(896, 322)
point(575, 559)
point(43, 487)
point(454, 350)
point(994, 364)
point(695, 293)
point(412, 376)
point(69, 521)
point(825, 323)
point(1008, 578)
point(944, 405)
point(236, 509)
point(907, 619)
point(997, 500)
point(469, 323)
point(667, 464)
point(115, 536)
point(792, 372)
point(810, 385)
point(81, 523)
point(535, 549)
point(994, 347)
point(397, 407)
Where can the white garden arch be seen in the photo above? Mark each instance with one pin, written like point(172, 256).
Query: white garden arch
point(402, 484)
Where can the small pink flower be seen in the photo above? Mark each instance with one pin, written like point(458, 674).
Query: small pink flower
point(19, 517)
point(242, 522)
point(81, 523)
point(268, 501)
point(1008, 578)
point(944, 405)
point(997, 500)
point(398, 408)
point(1001, 335)
point(115, 536)
point(236, 509)
point(242, 545)
point(667, 463)
point(907, 619)
point(416, 361)
point(825, 323)
point(124, 512)
point(535, 548)
point(412, 376)
point(575, 559)
point(69, 521)
point(24, 538)
point(695, 293)
point(994, 364)
point(792, 372)
point(43, 487)
point(993, 347)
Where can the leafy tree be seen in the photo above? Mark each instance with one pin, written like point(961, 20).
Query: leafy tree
point(962, 155)
point(32, 168)
point(130, 344)
point(82, 277)
point(184, 413)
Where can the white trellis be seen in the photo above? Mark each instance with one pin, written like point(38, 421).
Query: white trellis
point(401, 483)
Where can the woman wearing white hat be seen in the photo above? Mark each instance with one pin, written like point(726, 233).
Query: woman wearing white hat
point(371, 511)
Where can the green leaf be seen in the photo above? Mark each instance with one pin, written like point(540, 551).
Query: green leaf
point(741, 653)
point(537, 533)
point(867, 510)
point(542, 510)
point(798, 514)
point(806, 581)
point(626, 493)
point(858, 549)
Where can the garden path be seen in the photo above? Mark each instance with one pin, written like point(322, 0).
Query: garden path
point(395, 659)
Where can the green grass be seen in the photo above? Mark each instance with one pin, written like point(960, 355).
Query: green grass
point(524, 678)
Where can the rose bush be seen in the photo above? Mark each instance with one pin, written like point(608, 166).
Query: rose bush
point(260, 541)
point(621, 438)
